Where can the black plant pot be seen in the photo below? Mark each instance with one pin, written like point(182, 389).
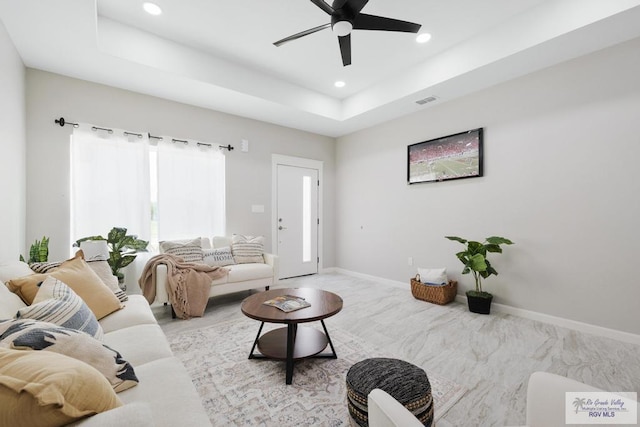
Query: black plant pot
point(479, 303)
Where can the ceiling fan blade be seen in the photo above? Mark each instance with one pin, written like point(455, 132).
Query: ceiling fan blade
point(323, 5)
point(345, 49)
point(302, 34)
point(338, 4)
point(357, 5)
point(372, 22)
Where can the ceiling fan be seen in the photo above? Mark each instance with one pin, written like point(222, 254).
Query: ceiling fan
point(346, 16)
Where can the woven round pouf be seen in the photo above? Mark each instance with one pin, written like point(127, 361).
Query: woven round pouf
point(407, 383)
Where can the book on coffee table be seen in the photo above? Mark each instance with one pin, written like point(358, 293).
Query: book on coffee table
point(288, 303)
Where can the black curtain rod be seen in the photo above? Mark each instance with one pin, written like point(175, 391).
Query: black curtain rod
point(139, 135)
point(184, 141)
point(95, 128)
point(61, 121)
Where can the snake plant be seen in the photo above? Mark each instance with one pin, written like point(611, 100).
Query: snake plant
point(39, 251)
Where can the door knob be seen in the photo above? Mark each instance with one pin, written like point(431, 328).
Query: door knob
point(282, 228)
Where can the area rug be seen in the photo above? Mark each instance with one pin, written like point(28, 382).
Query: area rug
point(242, 392)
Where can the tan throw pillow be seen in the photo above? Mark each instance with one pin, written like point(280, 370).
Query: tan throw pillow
point(101, 268)
point(30, 334)
point(43, 389)
point(247, 249)
point(188, 250)
point(78, 276)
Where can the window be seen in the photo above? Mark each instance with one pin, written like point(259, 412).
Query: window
point(191, 190)
point(109, 183)
point(306, 218)
point(170, 191)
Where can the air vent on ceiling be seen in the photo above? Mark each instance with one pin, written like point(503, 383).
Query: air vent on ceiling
point(426, 100)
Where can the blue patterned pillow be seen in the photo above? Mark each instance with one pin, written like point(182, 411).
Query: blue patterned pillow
point(57, 303)
point(27, 334)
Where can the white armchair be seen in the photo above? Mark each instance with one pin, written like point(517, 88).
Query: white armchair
point(385, 411)
point(546, 398)
point(545, 403)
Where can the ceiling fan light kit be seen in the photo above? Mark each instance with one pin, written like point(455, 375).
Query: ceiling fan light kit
point(342, 28)
point(345, 17)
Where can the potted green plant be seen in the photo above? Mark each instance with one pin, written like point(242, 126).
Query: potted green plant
point(475, 261)
point(122, 249)
point(39, 251)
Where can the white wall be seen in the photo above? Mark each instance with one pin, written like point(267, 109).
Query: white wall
point(12, 150)
point(248, 175)
point(562, 157)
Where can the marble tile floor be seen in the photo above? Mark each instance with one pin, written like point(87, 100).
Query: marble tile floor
point(492, 356)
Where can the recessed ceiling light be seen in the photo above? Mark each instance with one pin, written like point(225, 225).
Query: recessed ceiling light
point(423, 38)
point(339, 83)
point(152, 8)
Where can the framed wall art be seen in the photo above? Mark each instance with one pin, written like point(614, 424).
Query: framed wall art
point(449, 157)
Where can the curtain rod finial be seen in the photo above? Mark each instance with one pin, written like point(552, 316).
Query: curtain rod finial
point(61, 121)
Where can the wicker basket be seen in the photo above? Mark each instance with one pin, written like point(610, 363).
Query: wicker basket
point(436, 294)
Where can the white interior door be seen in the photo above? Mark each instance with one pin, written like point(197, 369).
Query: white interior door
point(297, 220)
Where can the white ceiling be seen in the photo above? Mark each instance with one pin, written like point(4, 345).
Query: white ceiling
point(220, 55)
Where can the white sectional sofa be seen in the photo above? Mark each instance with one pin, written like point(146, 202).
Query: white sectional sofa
point(241, 277)
point(164, 396)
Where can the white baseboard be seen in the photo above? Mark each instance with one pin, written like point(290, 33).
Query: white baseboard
point(390, 282)
point(520, 312)
point(561, 321)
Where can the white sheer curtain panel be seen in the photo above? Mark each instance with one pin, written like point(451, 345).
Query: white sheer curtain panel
point(191, 190)
point(109, 182)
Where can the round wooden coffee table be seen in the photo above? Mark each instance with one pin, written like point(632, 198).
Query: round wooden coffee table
point(291, 343)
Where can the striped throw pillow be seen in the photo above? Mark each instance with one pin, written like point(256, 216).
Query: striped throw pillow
point(44, 267)
point(189, 251)
point(247, 249)
point(57, 303)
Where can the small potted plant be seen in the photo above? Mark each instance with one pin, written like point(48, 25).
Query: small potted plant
point(39, 251)
point(475, 261)
point(122, 249)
